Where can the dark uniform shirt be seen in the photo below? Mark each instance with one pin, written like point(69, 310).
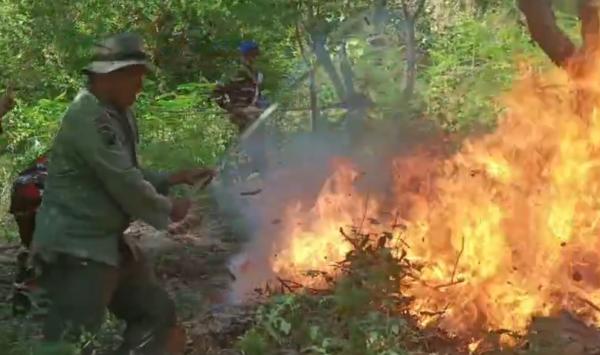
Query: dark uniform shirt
point(94, 186)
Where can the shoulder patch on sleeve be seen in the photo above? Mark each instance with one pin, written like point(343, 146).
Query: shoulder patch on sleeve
point(105, 130)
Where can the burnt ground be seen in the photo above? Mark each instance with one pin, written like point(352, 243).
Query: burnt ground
point(191, 262)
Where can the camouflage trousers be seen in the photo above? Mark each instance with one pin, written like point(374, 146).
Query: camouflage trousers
point(80, 291)
point(254, 148)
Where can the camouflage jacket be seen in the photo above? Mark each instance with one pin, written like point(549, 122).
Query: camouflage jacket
point(241, 91)
point(94, 186)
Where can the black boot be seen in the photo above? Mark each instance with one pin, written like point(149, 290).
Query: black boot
point(21, 303)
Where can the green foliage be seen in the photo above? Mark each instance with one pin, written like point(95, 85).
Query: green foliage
point(468, 53)
point(45, 44)
point(182, 128)
point(470, 64)
point(472, 61)
point(20, 336)
point(356, 317)
point(188, 40)
point(253, 344)
point(30, 128)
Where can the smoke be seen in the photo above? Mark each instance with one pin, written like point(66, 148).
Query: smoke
point(297, 171)
point(295, 174)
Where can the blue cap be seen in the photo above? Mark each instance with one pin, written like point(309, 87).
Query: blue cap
point(248, 46)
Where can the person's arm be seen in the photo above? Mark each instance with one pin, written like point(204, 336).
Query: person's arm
point(158, 179)
point(220, 96)
point(97, 143)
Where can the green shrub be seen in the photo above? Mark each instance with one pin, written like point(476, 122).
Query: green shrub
point(469, 66)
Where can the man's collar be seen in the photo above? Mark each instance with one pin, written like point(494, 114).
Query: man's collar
point(109, 106)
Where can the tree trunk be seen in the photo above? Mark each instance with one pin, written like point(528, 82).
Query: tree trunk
point(7, 102)
point(590, 23)
point(312, 82)
point(541, 22)
point(410, 40)
point(324, 59)
point(379, 16)
point(347, 73)
point(411, 58)
point(314, 104)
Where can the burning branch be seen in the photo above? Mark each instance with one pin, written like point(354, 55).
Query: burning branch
point(364, 217)
point(450, 284)
point(462, 249)
point(352, 241)
point(589, 303)
point(289, 285)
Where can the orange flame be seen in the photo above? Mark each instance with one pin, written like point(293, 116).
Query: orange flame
point(339, 205)
point(507, 228)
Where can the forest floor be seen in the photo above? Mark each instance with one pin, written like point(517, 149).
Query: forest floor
point(191, 263)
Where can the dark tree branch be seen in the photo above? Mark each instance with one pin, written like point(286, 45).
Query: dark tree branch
point(405, 9)
point(300, 41)
point(420, 7)
point(590, 24)
point(318, 39)
point(347, 73)
point(379, 15)
point(411, 58)
point(542, 26)
point(7, 102)
point(318, 32)
point(314, 104)
point(410, 21)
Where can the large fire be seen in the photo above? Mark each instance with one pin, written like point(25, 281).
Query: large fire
point(507, 228)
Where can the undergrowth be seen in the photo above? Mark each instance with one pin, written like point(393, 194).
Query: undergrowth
point(360, 312)
point(21, 336)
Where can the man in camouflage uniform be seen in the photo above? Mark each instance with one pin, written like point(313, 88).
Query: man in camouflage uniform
point(94, 189)
point(242, 98)
point(241, 95)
